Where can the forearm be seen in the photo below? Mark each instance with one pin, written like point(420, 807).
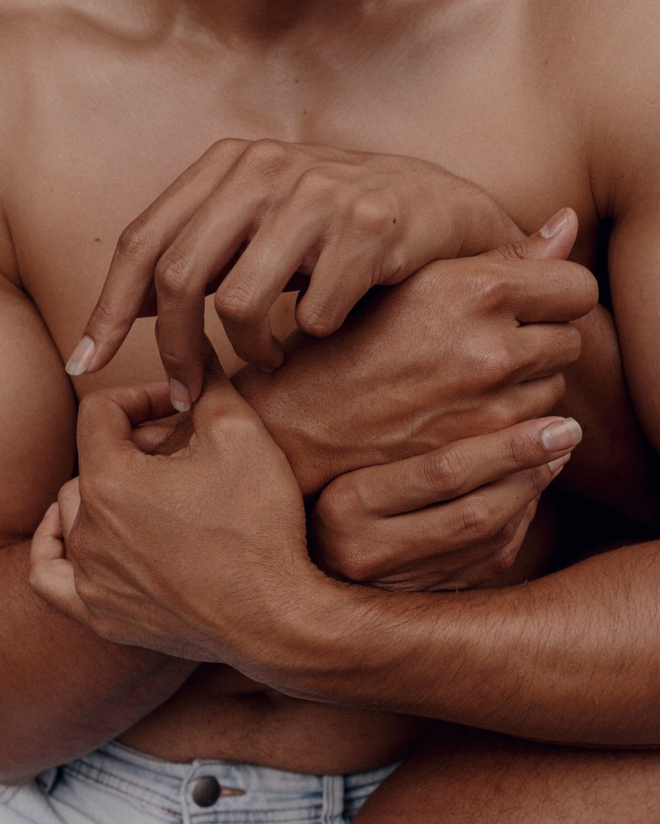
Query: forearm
point(570, 658)
point(64, 690)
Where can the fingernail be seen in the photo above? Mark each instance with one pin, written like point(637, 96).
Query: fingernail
point(180, 396)
point(268, 369)
point(561, 435)
point(556, 466)
point(555, 224)
point(81, 357)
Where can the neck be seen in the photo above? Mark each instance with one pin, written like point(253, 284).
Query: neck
point(269, 20)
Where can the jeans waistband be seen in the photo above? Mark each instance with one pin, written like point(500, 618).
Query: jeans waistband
point(244, 792)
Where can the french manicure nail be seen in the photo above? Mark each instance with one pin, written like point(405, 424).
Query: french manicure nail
point(556, 466)
point(555, 224)
point(180, 396)
point(81, 357)
point(561, 435)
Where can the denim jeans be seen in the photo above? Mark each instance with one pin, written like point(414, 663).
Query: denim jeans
point(117, 785)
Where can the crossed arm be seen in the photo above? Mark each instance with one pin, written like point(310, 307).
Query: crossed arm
point(571, 658)
point(67, 649)
point(65, 690)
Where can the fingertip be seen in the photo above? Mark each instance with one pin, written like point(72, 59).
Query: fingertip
point(556, 224)
point(81, 357)
point(275, 357)
point(180, 396)
point(560, 435)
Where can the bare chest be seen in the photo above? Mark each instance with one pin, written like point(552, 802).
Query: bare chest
point(99, 149)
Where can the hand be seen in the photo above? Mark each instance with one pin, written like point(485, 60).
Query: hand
point(157, 545)
point(462, 348)
point(249, 216)
point(453, 518)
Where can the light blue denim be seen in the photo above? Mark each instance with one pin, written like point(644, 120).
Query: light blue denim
point(117, 785)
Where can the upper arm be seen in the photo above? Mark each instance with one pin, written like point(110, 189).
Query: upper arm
point(635, 279)
point(37, 416)
point(625, 171)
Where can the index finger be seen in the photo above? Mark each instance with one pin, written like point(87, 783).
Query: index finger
point(106, 420)
point(466, 465)
point(131, 275)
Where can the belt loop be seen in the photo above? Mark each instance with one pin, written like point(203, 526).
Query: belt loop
point(333, 798)
point(47, 779)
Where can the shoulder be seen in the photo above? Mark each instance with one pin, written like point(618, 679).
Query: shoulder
point(54, 57)
point(607, 59)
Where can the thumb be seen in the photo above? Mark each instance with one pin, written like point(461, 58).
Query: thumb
point(553, 242)
point(69, 504)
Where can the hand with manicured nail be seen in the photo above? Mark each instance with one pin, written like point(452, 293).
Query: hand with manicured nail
point(248, 217)
point(463, 347)
point(453, 518)
point(157, 545)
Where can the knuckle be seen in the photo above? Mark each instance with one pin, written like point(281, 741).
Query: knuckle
point(539, 478)
point(341, 502)
point(502, 413)
point(445, 470)
point(498, 364)
point(350, 559)
point(317, 319)
point(93, 487)
point(236, 304)
point(316, 183)
point(358, 558)
point(173, 274)
point(476, 519)
point(521, 446)
point(175, 363)
point(267, 155)
point(105, 315)
point(493, 287)
point(518, 250)
point(371, 214)
point(228, 146)
point(235, 430)
point(136, 239)
point(585, 281)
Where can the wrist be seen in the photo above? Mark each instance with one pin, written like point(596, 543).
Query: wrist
point(484, 225)
point(274, 399)
point(477, 222)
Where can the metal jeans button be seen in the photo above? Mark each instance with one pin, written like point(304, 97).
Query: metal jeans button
point(206, 791)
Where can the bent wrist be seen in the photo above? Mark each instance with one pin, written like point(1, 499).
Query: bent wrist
point(479, 223)
point(273, 397)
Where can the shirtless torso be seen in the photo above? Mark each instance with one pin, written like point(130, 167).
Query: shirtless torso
point(105, 104)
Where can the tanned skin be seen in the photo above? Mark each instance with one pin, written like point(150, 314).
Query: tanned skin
point(64, 210)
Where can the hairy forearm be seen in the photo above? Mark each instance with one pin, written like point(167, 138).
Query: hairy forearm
point(64, 690)
point(570, 658)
